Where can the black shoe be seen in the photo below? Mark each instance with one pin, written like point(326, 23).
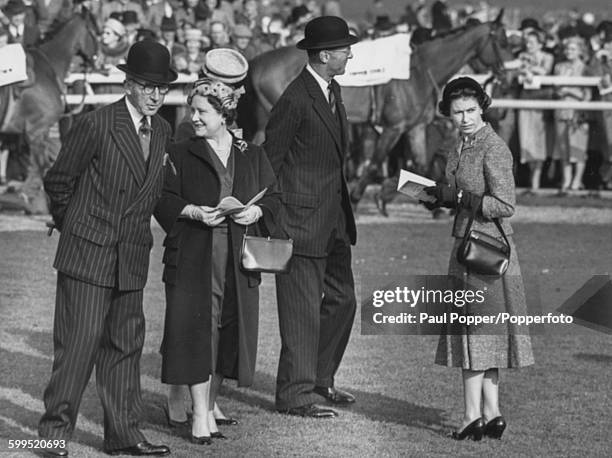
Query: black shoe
point(310, 411)
point(141, 449)
point(495, 428)
point(474, 431)
point(54, 451)
point(226, 421)
point(202, 440)
point(334, 395)
point(217, 435)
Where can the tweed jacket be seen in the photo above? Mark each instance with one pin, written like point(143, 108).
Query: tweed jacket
point(306, 144)
point(102, 195)
point(482, 164)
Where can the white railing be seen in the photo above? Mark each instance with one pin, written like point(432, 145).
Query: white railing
point(177, 97)
point(117, 77)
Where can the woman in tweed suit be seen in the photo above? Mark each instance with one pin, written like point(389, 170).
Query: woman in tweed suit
point(479, 173)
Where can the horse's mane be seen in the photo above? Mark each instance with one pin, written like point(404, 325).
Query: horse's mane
point(54, 29)
point(58, 24)
point(455, 31)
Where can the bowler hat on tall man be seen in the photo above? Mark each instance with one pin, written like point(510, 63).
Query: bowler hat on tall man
point(149, 61)
point(326, 32)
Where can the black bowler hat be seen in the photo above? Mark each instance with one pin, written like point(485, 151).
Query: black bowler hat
point(149, 61)
point(326, 32)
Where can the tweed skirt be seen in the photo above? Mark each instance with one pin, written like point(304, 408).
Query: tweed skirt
point(495, 346)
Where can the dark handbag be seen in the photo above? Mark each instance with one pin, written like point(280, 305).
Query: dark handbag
point(265, 254)
point(482, 254)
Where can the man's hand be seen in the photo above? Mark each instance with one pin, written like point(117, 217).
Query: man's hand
point(248, 216)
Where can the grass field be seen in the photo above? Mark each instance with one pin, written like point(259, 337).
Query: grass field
point(405, 404)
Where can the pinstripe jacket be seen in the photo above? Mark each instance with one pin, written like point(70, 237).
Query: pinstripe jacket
point(484, 167)
point(102, 196)
point(306, 145)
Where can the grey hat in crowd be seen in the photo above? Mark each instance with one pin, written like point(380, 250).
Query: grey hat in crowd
point(225, 65)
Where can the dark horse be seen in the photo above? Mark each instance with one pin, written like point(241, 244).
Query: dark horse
point(402, 104)
point(41, 104)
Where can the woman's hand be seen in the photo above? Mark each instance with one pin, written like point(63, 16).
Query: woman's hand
point(450, 197)
point(204, 214)
point(248, 216)
point(445, 195)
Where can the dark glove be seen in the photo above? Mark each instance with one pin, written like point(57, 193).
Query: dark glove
point(430, 205)
point(446, 195)
point(470, 201)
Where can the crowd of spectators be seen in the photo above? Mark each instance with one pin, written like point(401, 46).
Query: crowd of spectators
point(560, 42)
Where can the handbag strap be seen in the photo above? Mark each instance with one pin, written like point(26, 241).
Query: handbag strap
point(497, 222)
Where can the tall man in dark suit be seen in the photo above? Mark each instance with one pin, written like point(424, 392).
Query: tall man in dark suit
point(306, 141)
point(103, 189)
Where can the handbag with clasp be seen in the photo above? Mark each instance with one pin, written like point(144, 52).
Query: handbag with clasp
point(265, 254)
point(483, 254)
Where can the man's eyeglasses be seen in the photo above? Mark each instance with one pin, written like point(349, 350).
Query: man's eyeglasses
point(149, 89)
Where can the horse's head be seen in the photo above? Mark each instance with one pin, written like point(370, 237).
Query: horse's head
point(87, 36)
point(494, 50)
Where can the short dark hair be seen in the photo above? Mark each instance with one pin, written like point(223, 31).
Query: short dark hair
point(463, 87)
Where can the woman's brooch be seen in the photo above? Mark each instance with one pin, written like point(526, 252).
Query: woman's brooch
point(241, 145)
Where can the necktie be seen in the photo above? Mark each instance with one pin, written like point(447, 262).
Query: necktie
point(332, 98)
point(144, 135)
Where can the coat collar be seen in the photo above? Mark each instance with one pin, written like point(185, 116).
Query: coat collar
point(470, 140)
point(321, 107)
point(199, 147)
point(127, 141)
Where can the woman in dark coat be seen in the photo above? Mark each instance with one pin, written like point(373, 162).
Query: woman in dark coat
point(479, 173)
point(212, 304)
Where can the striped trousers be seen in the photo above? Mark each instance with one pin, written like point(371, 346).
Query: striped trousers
point(105, 328)
point(316, 309)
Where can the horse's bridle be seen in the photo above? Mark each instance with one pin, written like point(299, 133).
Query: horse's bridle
point(89, 60)
point(498, 69)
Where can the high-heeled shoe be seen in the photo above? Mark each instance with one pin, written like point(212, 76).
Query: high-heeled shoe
point(474, 431)
point(495, 428)
point(217, 435)
point(202, 440)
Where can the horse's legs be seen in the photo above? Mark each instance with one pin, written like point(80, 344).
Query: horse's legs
point(387, 140)
point(44, 147)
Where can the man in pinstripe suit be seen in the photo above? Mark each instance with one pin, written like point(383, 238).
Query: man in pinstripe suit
point(306, 141)
point(103, 189)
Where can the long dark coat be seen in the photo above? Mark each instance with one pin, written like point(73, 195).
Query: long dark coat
point(192, 179)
